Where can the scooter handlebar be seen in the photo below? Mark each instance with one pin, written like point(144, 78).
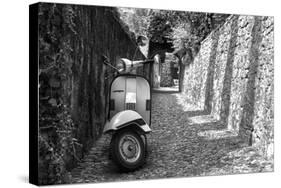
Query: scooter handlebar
point(125, 65)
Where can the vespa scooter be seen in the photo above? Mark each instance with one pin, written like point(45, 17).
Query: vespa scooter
point(129, 115)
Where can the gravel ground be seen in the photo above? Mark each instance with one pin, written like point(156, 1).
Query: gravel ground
point(175, 150)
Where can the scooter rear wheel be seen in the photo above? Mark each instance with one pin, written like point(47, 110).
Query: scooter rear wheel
point(127, 150)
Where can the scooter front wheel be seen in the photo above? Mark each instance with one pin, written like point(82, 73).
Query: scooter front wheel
point(127, 150)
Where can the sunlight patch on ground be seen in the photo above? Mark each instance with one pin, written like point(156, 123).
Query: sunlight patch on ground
point(203, 119)
point(218, 134)
point(166, 89)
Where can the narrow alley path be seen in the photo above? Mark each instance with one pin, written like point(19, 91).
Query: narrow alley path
point(175, 150)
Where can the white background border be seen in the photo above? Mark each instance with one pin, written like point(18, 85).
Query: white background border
point(14, 90)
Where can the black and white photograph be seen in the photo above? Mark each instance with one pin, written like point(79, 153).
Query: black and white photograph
point(128, 93)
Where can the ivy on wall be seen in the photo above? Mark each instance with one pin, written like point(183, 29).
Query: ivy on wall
point(57, 140)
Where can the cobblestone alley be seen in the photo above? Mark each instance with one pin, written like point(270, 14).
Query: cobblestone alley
point(175, 150)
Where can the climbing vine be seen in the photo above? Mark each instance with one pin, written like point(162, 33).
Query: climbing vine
point(57, 142)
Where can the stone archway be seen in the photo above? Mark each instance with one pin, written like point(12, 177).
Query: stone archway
point(158, 50)
point(185, 57)
point(156, 72)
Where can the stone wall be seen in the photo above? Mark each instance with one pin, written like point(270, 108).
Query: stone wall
point(100, 33)
point(195, 77)
point(232, 79)
point(220, 69)
point(264, 88)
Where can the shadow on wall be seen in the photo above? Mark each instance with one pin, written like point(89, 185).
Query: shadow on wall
point(231, 82)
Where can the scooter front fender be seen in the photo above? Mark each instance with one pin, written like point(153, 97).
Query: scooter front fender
point(124, 119)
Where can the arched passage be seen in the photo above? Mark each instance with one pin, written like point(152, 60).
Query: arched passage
point(169, 69)
point(165, 72)
point(157, 50)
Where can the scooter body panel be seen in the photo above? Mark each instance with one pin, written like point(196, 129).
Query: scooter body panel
point(130, 92)
point(124, 119)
